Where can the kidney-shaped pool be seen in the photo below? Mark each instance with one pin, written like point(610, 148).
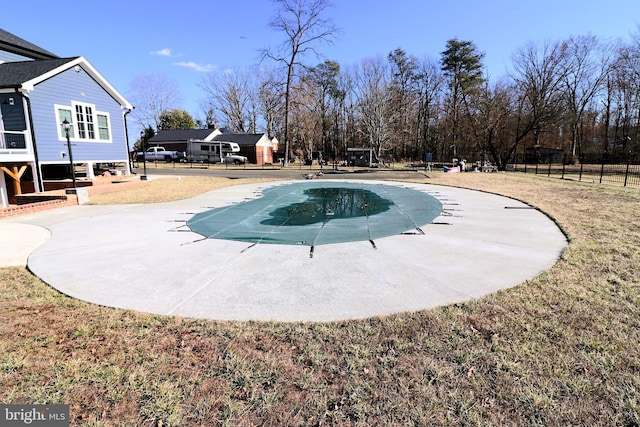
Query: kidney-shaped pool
point(316, 213)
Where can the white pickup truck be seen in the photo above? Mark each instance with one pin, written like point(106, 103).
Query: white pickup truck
point(160, 154)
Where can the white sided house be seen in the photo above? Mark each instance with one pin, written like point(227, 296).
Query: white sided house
point(39, 91)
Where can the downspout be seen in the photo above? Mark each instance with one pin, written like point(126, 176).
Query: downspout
point(126, 138)
point(38, 172)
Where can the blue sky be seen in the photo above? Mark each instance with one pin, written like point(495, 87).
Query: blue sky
point(184, 40)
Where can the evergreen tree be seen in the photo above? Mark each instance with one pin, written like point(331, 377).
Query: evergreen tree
point(176, 120)
point(462, 66)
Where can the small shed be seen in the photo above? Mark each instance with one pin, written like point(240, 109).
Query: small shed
point(360, 157)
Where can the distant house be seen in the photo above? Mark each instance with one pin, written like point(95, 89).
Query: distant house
point(38, 92)
point(257, 147)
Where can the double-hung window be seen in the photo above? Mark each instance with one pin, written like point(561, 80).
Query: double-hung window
point(87, 124)
point(103, 127)
point(65, 114)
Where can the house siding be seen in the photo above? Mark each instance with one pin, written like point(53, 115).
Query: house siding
point(64, 89)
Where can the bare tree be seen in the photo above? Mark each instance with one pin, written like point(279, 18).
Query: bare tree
point(493, 111)
point(270, 96)
point(303, 24)
point(233, 98)
point(587, 68)
point(152, 95)
point(346, 133)
point(306, 122)
point(375, 109)
point(539, 72)
point(429, 81)
point(623, 97)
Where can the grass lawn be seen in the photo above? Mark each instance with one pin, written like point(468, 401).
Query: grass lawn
point(561, 349)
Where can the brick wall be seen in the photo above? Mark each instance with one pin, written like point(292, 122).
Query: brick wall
point(37, 207)
point(99, 185)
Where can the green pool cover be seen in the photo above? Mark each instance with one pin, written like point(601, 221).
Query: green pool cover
point(320, 212)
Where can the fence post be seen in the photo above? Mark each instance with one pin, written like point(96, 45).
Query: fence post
point(581, 168)
point(604, 159)
point(626, 173)
point(564, 162)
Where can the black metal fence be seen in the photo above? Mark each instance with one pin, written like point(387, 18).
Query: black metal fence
point(619, 171)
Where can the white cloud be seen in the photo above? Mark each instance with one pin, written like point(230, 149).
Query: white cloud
point(162, 52)
point(196, 67)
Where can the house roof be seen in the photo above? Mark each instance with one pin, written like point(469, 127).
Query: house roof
point(14, 44)
point(239, 138)
point(204, 134)
point(181, 135)
point(14, 74)
point(26, 75)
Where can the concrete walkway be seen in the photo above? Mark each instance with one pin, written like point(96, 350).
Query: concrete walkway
point(17, 241)
point(142, 257)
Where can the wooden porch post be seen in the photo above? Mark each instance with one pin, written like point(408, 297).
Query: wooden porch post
point(15, 175)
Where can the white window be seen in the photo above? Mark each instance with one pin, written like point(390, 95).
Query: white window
point(65, 114)
point(84, 121)
point(87, 124)
point(103, 127)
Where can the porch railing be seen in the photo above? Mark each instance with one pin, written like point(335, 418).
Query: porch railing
point(13, 140)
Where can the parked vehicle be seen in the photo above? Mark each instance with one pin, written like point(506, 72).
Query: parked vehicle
point(160, 154)
point(209, 151)
point(236, 159)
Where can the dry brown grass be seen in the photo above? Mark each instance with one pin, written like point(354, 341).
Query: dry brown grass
point(561, 349)
point(159, 189)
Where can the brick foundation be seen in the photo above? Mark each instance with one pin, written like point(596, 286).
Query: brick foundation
point(36, 202)
point(37, 207)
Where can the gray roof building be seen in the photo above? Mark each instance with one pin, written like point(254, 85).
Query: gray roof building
point(13, 74)
point(170, 136)
point(240, 138)
point(14, 44)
